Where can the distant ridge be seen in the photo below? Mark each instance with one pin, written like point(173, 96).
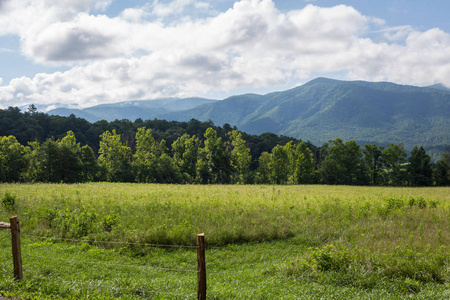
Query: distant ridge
point(439, 86)
point(132, 110)
point(318, 111)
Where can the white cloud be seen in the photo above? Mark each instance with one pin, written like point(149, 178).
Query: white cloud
point(250, 45)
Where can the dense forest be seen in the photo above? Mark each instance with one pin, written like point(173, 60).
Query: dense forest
point(37, 147)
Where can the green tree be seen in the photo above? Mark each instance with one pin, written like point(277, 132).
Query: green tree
point(166, 170)
point(263, 173)
point(442, 170)
point(89, 165)
point(394, 157)
point(343, 164)
point(185, 151)
point(303, 164)
point(280, 164)
point(419, 167)
point(373, 156)
point(144, 157)
point(240, 158)
point(31, 157)
point(70, 161)
point(216, 158)
point(202, 170)
point(114, 158)
point(12, 154)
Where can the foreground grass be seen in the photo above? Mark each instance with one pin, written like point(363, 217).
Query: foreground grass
point(265, 242)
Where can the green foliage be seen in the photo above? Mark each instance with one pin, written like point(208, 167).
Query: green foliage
point(343, 164)
point(185, 152)
point(9, 202)
point(12, 158)
point(115, 158)
point(394, 158)
point(280, 164)
point(216, 158)
point(419, 167)
point(373, 157)
point(303, 162)
point(141, 154)
point(240, 158)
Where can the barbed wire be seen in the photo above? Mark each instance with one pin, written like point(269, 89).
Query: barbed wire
point(109, 242)
point(109, 264)
point(252, 249)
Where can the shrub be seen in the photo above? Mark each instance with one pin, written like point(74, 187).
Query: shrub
point(9, 202)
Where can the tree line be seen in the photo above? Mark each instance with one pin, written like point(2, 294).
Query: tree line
point(199, 152)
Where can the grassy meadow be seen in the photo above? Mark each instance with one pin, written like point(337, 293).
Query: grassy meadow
point(263, 242)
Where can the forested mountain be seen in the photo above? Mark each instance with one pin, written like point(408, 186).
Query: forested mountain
point(132, 110)
point(319, 111)
point(324, 109)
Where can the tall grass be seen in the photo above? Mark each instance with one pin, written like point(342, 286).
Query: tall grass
point(354, 241)
point(366, 217)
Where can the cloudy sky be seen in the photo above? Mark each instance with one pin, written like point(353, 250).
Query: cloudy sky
point(81, 53)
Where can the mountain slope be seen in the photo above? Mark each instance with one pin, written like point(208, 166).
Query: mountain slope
point(325, 109)
point(132, 110)
point(320, 110)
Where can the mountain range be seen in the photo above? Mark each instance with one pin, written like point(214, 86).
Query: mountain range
point(318, 111)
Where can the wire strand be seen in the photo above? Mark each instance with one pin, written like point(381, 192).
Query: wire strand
point(110, 242)
point(108, 264)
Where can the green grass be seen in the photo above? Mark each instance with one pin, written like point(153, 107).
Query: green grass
point(264, 242)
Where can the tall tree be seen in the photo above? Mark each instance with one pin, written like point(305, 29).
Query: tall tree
point(185, 150)
point(144, 157)
point(343, 163)
point(216, 157)
point(442, 170)
point(280, 164)
point(70, 161)
point(240, 158)
point(12, 154)
point(303, 164)
point(115, 158)
point(89, 165)
point(263, 173)
point(419, 167)
point(394, 157)
point(373, 156)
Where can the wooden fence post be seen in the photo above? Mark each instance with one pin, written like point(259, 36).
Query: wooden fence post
point(201, 267)
point(17, 254)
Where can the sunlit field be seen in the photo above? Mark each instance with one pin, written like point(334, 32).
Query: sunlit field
point(263, 242)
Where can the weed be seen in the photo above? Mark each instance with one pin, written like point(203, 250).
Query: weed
point(9, 202)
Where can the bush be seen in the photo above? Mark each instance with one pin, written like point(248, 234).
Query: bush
point(9, 202)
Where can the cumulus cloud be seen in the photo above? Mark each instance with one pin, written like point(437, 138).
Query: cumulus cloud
point(139, 56)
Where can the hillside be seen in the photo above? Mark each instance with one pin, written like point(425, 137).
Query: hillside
point(320, 110)
point(132, 110)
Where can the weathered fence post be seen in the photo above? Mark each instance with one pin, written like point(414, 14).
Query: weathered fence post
point(201, 267)
point(17, 254)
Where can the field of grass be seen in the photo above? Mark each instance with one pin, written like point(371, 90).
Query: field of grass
point(263, 242)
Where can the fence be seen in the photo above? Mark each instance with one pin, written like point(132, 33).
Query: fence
point(17, 255)
point(15, 244)
point(215, 274)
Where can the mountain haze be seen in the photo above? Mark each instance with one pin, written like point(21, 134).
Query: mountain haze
point(321, 110)
point(132, 110)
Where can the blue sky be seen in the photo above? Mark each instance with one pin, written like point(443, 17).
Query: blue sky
point(80, 53)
